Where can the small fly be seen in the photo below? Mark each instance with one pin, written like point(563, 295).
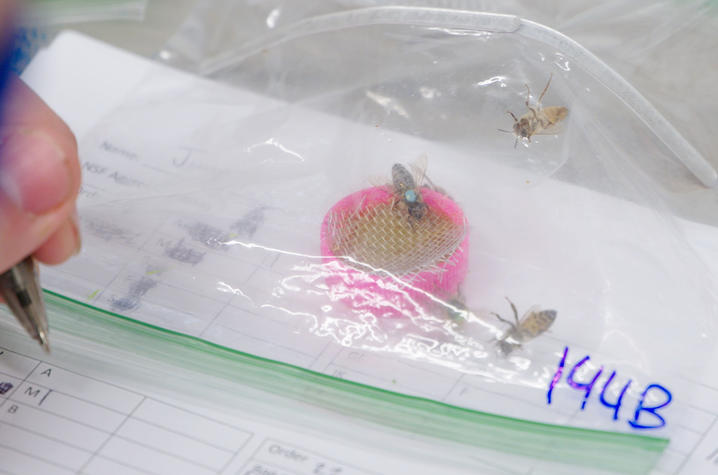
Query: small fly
point(407, 191)
point(532, 324)
point(539, 120)
point(406, 187)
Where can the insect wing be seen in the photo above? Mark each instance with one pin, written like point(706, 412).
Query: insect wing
point(551, 115)
point(555, 114)
point(380, 182)
point(418, 169)
point(535, 322)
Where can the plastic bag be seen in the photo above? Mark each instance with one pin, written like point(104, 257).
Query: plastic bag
point(213, 201)
point(54, 12)
point(664, 49)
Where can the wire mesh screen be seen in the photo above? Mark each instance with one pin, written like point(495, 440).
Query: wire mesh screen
point(383, 236)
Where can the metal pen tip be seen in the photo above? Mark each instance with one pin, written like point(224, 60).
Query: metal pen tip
point(20, 289)
point(44, 341)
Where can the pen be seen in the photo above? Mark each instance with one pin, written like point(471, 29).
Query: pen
point(20, 289)
point(19, 286)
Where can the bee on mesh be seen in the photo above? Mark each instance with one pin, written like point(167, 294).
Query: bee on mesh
point(538, 120)
point(408, 193)
point(406, 186)
point(533, 323)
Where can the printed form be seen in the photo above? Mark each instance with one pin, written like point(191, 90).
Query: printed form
point(59, 420)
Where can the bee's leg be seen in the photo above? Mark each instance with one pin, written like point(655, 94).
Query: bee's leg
point(512, 116)
point(513, 308)
point(545, 88)
point(503, 319)
point(429, 184)
point(516, 142)
point(528, 95)
point(412, 221)
point(533, 111)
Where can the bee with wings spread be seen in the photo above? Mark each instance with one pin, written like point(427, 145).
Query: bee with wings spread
point(532, 324)
point(539, 120)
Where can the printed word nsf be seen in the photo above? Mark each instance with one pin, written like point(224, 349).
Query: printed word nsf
point(645, 416)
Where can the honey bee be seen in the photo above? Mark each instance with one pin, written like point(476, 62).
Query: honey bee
point(532, 324)
point(539, 120)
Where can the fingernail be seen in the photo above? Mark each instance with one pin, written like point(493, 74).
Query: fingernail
point(34, 173)
point(75, 220)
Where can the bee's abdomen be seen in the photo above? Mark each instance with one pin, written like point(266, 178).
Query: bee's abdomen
point(401, 177)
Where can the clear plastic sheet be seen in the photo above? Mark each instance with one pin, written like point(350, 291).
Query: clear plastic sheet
point(568, 303)
point(665, 49)
point(57, 12)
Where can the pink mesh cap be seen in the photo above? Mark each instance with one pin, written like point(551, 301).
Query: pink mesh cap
point(394, 285)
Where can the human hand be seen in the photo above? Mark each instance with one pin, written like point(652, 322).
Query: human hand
point(39, 181)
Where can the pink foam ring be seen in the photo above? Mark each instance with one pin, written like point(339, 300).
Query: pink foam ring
point(383, 295)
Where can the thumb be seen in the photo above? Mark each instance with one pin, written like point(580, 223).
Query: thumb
point(39, 181)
